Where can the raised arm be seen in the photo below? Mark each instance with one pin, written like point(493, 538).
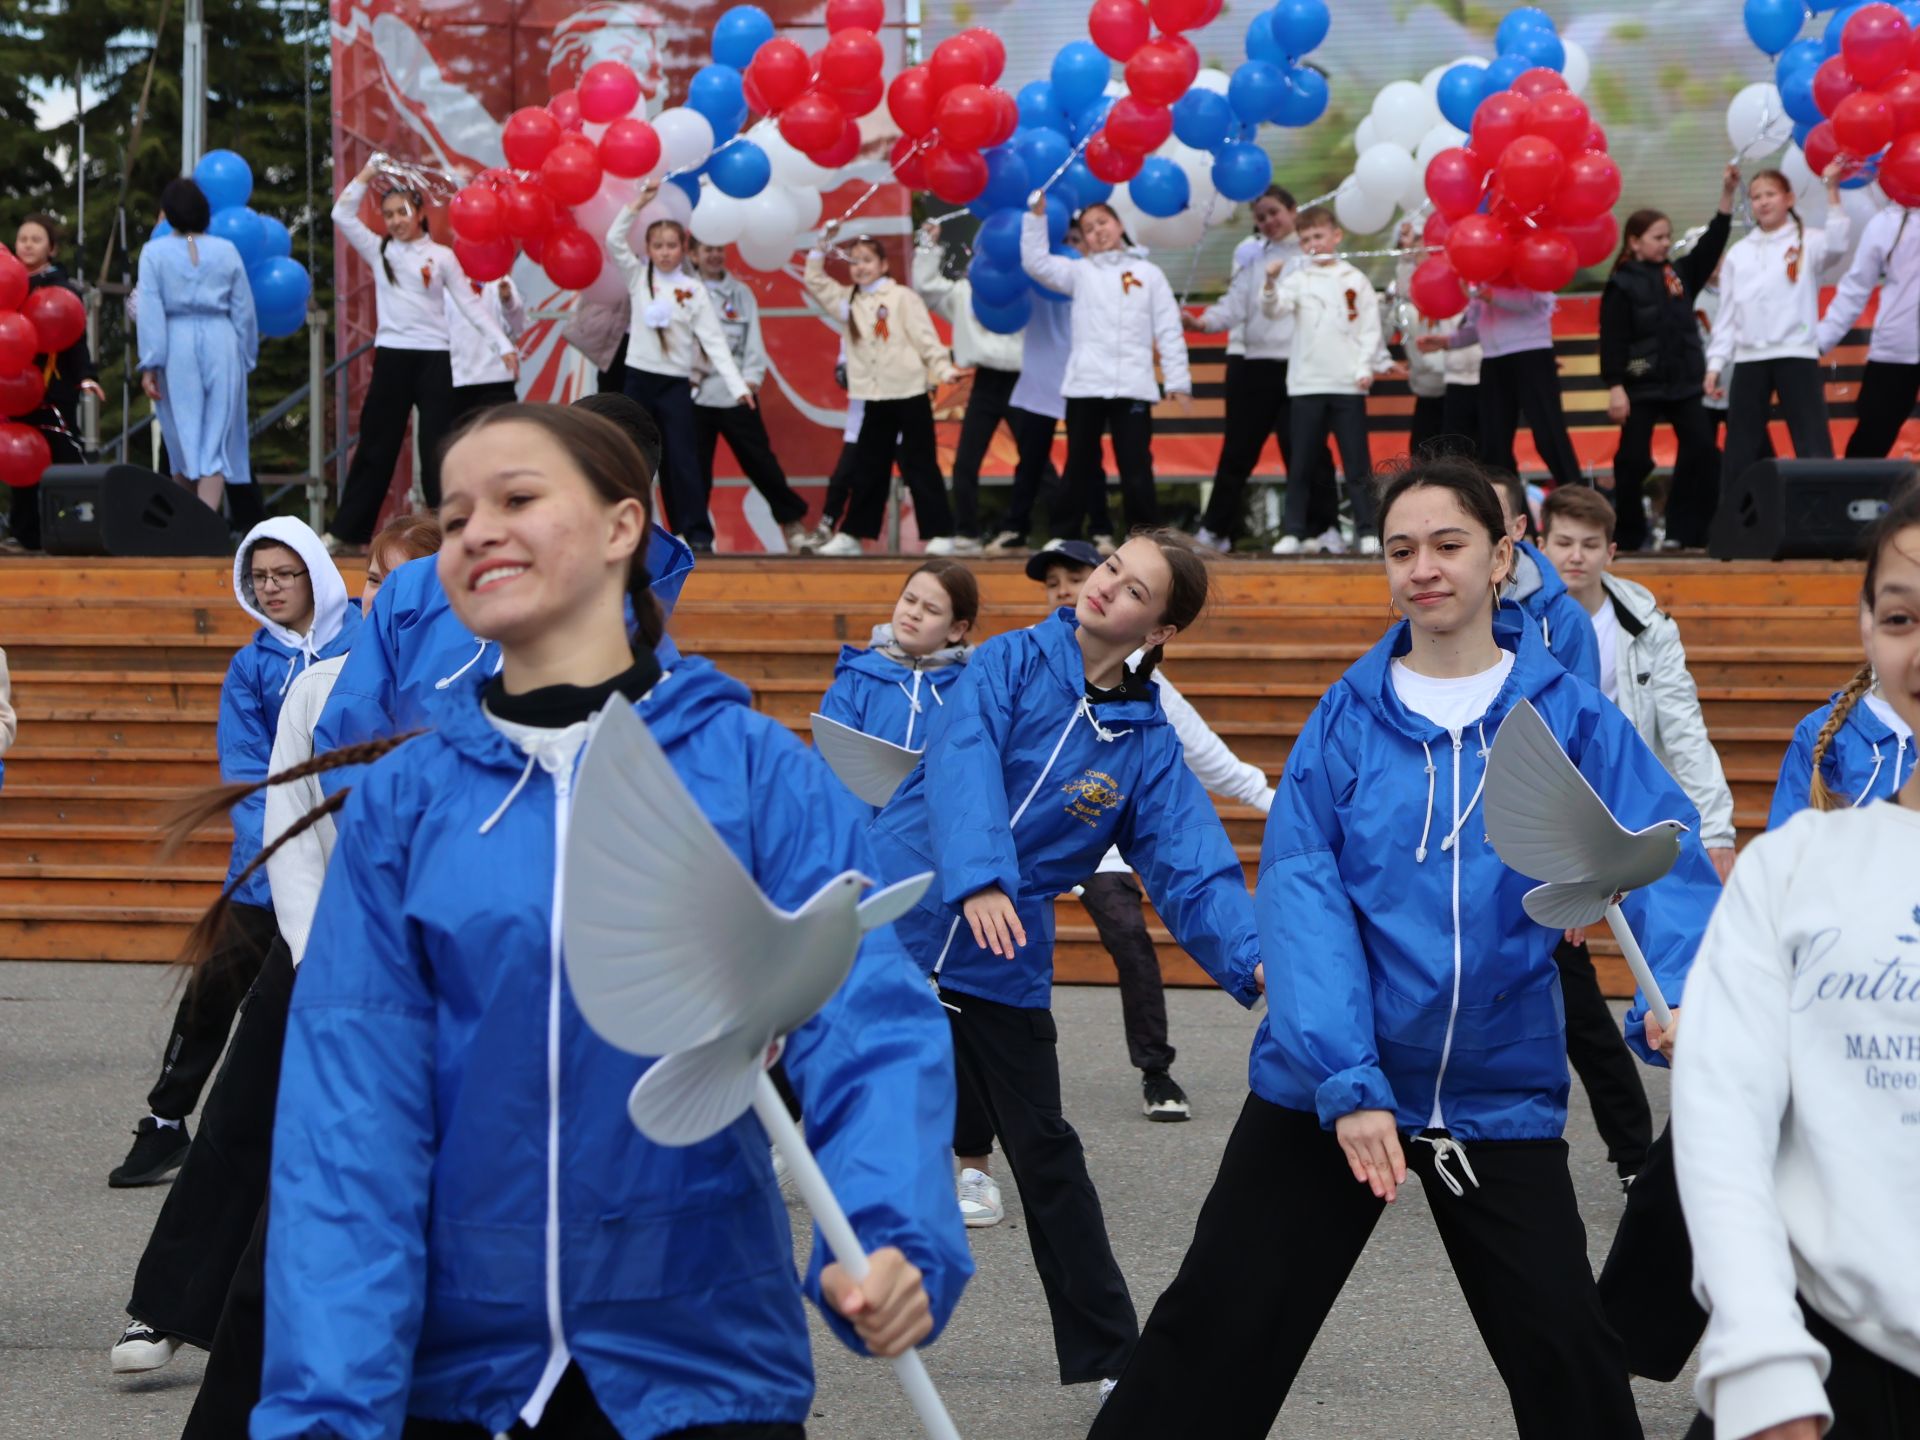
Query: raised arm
point(1856, 287)
point(929, 279)
point(823, 287)
point(346, 219)
point(1056, 272)
point(620, 246)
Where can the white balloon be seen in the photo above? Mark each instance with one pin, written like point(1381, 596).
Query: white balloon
point(763, 250)
point(719, 218)
point(1172, 232)
point(1430, 82)
point(1403, 113)
point(790, 167)
point(805, 201)
point(1578, 68)
point(1212, 79)
point(1414, 197)
point(1809, 195)
point(596, 215)
point(1366, 135)
point(1863, 204)
point(1441, 137)
point(1384, 171)
point(1360, 213)
point(1757, 122)
point(686, 137)
point(771, 213)
point(1220, 210)
point(609, 287)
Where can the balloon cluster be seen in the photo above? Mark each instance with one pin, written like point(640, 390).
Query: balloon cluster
point(1853, 98)
point(1528, 200)
point(280, 285)
point(956, 125)
point(32, 323)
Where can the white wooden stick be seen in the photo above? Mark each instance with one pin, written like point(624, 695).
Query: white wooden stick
point(1637, 962)
point(845, 1246)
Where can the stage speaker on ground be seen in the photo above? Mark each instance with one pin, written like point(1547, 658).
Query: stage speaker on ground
point(1803, 509)
point(125, 510)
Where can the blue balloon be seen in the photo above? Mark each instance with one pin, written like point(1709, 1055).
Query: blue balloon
point(741, 32)
point(1801, 130)
point(1038, 106)
point(163, 228)
point(1007, 319)
point(1299, 25)
point(1202, 119)
point(1801, 54)
point(1830, 37)
point(1772, 24)
point(1869, 173)
point(718, 93)
point(1256, 90)
point(279, 283)
point(224, 178)
point(1059, 215)
point(1241, 172)
point(740, 169)
point(689, 186)
point(1090, 118)
point(1087, 188)
point(1160, 188)
point(1540, 47)
point(1045, 151)
point(1009, 182)
point(1501, 74)
point(1911, 11)
point(242, 227)
point(1460, 92)
point(1304, 99)
point(994, 284)
point(1262, 43)
point(1796, 96)
point(278, 240)
point(1080, 74)
point(998, 239)
point(279, 324)
point(1527, 17)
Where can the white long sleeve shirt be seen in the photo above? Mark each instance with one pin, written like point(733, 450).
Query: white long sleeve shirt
point(296, 871)
point(411, 305)
point(1243, 256)
point(738, 311)
point(475, 361)
point(1123, 311)
point(1796, 1111)
point(1770, 293)
point(1887, 259)
point(973, 343)
point(1336, 337)
point(1262, 336)
point(672, 317)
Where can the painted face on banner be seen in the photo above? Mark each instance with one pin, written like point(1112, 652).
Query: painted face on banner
point(608, 30)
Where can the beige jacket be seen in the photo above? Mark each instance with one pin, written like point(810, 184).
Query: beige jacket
point(893, 351)
point(8, 725)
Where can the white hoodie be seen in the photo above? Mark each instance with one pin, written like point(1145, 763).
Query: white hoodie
point(471, 350)
point(1336, 337)
point(330, 600)
point(411, 305)
point(1770, 293)
point(1796, 1111)
point(1239, 312)
point(1888, 258)
point(1123, 309)
point(297, 869)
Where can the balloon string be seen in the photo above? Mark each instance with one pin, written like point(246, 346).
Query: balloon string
point(926, 142)
point(726, 144)
point(1064, 166)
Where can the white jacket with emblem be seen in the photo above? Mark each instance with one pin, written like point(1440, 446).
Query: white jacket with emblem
point(1123, 310)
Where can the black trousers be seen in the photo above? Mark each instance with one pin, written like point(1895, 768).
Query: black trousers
point(1803, 405)
point(573, 1414)
point(1009, 1056)
point(1113, 901)
point(1607, 1069)
point(1312, 418)
point(840, 485)
point(206, 1009)
point(746, 435)
point(1872, 1398)
point(1130, 422)
point(469, 399)
point(897, 430)
point(1646, 1286)
point(1526, 384)
point(404, 382)
point(1033, 476)
point(1695, 493)
point(1257, 406)
point(987, 406)
point(1278, 1236)
point(669, 399)
point(1887, 393)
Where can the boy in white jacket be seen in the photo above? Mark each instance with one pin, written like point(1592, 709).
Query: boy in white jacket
point(1336, 338)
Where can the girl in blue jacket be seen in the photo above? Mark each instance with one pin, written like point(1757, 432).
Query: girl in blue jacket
point(1049, 751)
point(1853, 750)
point(1415, 1018)
point(467, 1233)
point(892, 687)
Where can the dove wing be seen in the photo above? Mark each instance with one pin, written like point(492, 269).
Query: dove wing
point(870, 767)
point(1543, 818)
point(689, 1097)
point(666, 934)
point(883, 907)
point(1565, 906)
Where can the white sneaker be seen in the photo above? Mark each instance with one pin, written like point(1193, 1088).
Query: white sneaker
point(1313, 545)
point(967, 545)
point(142, 1348)
point(980, 1205)
point(1370, 545)
point(842, 545)
point(942, 545)
point(1288, 545)
point(798, 537)
point(1005, 542)
point(1205, 537)
point(1107, 1387)
point(1332, 541)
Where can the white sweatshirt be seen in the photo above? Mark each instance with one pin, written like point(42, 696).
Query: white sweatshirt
point(973, 343)
point(1888, 258)
point(1770, 293)
point(1336, 335)
point(412, 305)
point(1243, 255)
point(296, 871)
point(475, 362)
point(672, 316)
point(1123, 310)
point(1796, 1111)
point(1239, 311)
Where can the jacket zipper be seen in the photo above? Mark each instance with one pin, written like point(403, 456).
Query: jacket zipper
point(913, 707)
point(1438, 1120)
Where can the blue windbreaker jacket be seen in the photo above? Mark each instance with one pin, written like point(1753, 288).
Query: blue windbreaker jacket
point(407, 1267)
point(1419, 985)
point(1866, 760)
point(880, 696)
point(1025, 785)
point(259, 676)
point(1565, 625)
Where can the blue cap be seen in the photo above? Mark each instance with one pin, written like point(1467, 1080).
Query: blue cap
point(1055, 552)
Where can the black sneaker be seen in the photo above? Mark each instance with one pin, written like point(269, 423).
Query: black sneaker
point(1161, 1098)
point(157, 1152)
point(141, 1348)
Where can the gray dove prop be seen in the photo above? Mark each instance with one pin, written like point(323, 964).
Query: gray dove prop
point(672, 950)
point(1548, 823)
point(870, 767)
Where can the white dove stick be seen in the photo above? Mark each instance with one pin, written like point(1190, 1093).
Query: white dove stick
point(870, 767)
point(845, 1245)
point(1637, 962)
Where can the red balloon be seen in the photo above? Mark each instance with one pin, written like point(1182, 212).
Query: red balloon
point(813, 122)
point(1157, 73)
point(1561, 117)
point(990, 45)
point(1212, 11)
point(1591, 187)
point(1900, 170)
point(851, 58)
point(1133, 124)
point(1530, 171)
point(1821, 148)
point(1597, 139)
point(21, 394)
point(905, 159)
point(528, 212)
point(565, 107)
point(1479, 248)
point(1874, 43)
point(1902, 95)
point(1863, 124)
point(608, 91)
point(571, 258)
point(1593, 241)
point(483, 260)
point(1189, 56)
point(1119, 27)
point(475, 213)
point(630, 148)
point(956, 176)
point(1456, 178)
point(1500, 120)
point(1534, 83)
point(781, 72)
point(529, 136)
point(1110, 163)
point(1435, 289)
point(910, 100)
point(967, 116)
point(1006, 116)
point(1544, 260)
point(13, 280)
point(1434, 233)
point(571, 172)
point(750, 92)
point(867, 15)
point(1173, 16)
point(1913, 51)
point(19, 342)
point(1832, 83)
point(856, 100)
point(958, 60)
point(843, 150)
point(58, 316)
point(24, 455)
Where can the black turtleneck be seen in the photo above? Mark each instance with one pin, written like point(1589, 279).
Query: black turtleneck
point(1131, 687)
point(554, 707)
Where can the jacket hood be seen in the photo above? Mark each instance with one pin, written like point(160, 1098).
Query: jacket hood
point(1534, 575)
point(1862, 718)
point(880, 646)
point(1634, 597)
point(330, 602)
point(1067, 666)
point(1534, 669)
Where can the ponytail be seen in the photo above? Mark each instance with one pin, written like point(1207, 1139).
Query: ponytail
point(1819, 796)
point(386, 264)
point(1186, 594)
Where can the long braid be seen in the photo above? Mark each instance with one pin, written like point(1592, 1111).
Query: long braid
point(386, 264)
point(1819, 796)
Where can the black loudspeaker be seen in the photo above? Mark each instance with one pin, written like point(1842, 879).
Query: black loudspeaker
point(1803, 509)
point(124, 510)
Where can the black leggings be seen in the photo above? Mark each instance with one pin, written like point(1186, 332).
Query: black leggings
point(746, 435)
point(1312, 418)
point(404, 381)
point(669, 399)
point(901, 429)
point(1113, 900)
point(1803, 405)
point(1526, 384)
point(1695, 492)
point(1130, 422)
point(205, 1012)
point(1034, 476)
point(1887, 393)
point(987, 406)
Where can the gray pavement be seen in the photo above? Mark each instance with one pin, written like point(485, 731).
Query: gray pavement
point(1399, 1358)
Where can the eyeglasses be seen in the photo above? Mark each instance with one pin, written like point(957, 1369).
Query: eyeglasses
point(273, 579)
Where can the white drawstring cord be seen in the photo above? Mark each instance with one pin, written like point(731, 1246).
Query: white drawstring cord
point(475, 660)
point(1104, 734)
point(518, 786)
point(1878, 760)
point(1454, 834)
point(1443, 1147)
point(1426, 826)
point(913, 701)
point(293, 660)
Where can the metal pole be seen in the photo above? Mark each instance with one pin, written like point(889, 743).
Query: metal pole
point(89, 402)
point(193, 87)
point(316, 419)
